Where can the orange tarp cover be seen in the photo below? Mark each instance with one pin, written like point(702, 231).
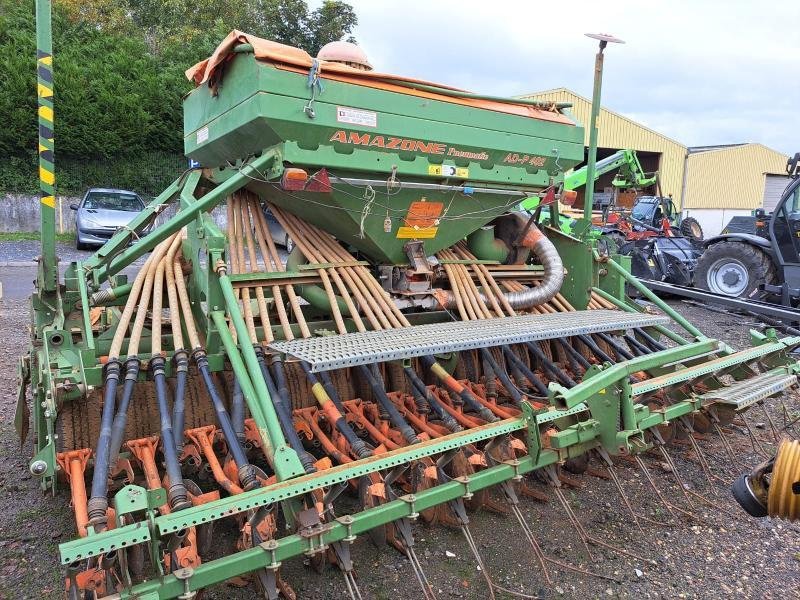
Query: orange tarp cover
point(300, 61)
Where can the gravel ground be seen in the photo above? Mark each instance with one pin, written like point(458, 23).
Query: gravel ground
point(29, 250)
point(720, 553)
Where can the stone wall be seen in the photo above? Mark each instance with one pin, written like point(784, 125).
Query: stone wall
point(20, 212)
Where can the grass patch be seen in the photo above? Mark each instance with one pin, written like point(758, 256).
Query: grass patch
point(16, 236)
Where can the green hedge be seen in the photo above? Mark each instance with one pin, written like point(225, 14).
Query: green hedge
point(147, 174)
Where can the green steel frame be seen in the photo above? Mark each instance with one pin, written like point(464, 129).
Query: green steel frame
point(65, 359)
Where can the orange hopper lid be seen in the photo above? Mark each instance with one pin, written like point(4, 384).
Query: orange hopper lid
point(294, 59)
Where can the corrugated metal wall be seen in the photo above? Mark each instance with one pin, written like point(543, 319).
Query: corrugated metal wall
point(616, 131)
point(730, 177)
point(774, 187)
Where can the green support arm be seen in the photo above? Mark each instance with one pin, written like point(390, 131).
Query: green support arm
point(114, 256)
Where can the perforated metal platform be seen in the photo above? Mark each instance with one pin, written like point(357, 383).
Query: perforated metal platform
point(352, 349)
point(743, 394)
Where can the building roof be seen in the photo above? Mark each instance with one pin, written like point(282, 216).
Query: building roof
point(693, 149)
point(563, 90)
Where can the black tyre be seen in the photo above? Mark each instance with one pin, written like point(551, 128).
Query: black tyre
point(734, 269)
point(80, 246)
point(744, 495)
point(691, 229)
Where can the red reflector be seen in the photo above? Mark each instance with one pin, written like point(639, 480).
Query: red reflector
point(549, 197)
point(294, 179)
point(319, 182)
point(568, 197)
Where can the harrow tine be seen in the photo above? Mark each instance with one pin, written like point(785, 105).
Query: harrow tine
point(653, 485)
point(671, 507)
point(582, 533)
point(772, 427)
point(758, 448)
point(787, 424)
point(403, 527)
point(513, 501)
point(615, 478)
point(701, 457)
point(540, 555)
point(344, 561)
point(727, 446)
point(481, 565)
point(686, 491)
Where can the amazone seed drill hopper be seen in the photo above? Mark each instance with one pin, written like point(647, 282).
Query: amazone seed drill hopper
point(422, 349)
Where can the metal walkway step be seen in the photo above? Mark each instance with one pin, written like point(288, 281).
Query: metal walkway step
point(351, 349)
point(744, 393)
point(710, 367)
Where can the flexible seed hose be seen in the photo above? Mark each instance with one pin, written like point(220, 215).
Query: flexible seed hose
point(550, 285)
point(158, 294)
point(132, 362)
point(144, 303)
point(172, 295)
point(186, 306)
point(127, 312)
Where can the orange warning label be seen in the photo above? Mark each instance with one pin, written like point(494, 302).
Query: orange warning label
point(423, 214)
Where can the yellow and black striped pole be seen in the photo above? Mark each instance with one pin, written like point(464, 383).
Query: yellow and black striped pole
point(48, 273)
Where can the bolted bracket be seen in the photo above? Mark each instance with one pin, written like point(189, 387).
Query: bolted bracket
point(533, 437)
point(185, 575)
point(271, 547)
point(411, 500)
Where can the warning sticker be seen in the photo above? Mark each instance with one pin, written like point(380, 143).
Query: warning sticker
point(416, 233)
point(202, 135)
point(448, 171)
point(423, 213)
point(356, 116)
point(421, 220)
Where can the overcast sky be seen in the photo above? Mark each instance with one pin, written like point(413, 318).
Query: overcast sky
point(701, 72)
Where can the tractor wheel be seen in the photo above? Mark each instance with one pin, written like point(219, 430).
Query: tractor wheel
point(618, 238)
point(691, 229)
point(734, 269)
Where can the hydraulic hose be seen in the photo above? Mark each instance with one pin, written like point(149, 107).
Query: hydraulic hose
point(526, 372)
point(635, 345)
point(177, 496)
point(574, 366)
point(280, 398)
point(180, 357)
point(121, 418)
point(387, 405)
point(237, 409)
point(456, 387)
point(500, 372)
point(331, 411)
point(151, 284)
point(651, 341)
point(576, 356)
point(621, 352)
point(549, 366)
point(433, 403)
point(181, 360)
point(98, 502)
point(590, 344)
point(247, 474)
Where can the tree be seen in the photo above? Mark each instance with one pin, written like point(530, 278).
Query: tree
point(119, 69)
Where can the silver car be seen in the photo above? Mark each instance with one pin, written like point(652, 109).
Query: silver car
point(277, 232)
point(101, 213)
